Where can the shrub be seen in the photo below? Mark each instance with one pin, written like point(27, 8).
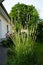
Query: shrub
point(39, 32)
point(36, 32)
point(9, 41)
point(24, 53)
point(4, 43)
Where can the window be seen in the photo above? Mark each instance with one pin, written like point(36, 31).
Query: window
point(7, 29)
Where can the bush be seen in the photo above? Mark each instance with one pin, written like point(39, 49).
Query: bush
point(9, 42)
point(39, 32)
point(24, 51)
point(4, 43)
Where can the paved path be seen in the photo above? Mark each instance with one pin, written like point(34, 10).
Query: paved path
point(3, 55)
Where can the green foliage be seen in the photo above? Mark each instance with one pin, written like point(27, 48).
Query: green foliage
point(4, 43)
point(8, 42)
point(18, 26)
point(26, 55)
point(23, 53)
point(39, 32)
point(36, 31)
point(39, 53)
point(32, 31)
point(24, 13)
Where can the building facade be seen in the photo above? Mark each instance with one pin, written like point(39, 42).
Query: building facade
point(5, 22)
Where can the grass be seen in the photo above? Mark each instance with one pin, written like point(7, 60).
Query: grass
point(39, 53)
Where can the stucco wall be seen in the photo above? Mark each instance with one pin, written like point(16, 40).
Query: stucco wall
point(3, 27)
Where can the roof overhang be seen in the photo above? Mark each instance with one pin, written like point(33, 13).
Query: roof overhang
point(1, 1)
point(4, 12)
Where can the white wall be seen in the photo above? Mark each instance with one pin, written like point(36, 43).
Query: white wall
point(3, 27)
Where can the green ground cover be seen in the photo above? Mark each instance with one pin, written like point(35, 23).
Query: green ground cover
point(39, 53)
